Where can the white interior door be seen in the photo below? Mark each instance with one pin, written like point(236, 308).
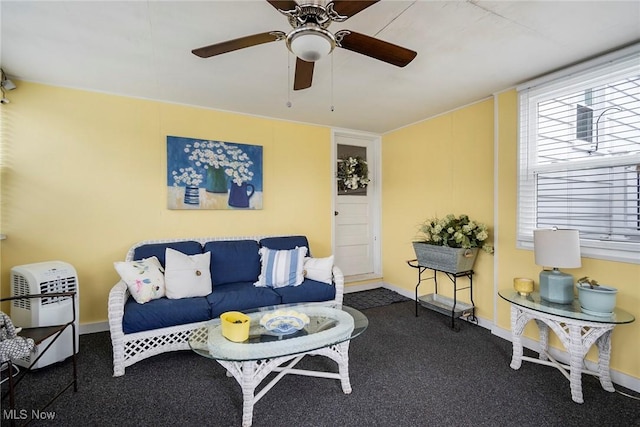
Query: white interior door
point(356, 215)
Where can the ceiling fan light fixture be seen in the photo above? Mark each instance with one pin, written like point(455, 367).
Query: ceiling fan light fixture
point(310, 42)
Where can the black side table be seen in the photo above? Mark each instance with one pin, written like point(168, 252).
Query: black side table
point(440, 303)
point(39, 335)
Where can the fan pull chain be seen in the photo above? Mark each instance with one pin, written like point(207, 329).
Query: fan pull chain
point(332, 108)
point(288, 80)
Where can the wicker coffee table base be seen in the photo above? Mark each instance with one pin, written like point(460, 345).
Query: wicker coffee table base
point(250, 374)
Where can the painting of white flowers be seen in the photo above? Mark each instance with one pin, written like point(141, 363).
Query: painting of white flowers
point(204, 174)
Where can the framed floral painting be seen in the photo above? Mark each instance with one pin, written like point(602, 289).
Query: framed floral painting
point(204, 174)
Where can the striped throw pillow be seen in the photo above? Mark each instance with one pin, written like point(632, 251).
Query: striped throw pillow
point(281, 268)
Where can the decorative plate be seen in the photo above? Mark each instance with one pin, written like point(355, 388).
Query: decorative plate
point(284, 322)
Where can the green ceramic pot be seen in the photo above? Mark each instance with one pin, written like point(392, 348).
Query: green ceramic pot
point(598, 301)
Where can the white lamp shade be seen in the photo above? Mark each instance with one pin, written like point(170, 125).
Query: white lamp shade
point(311, 46)
point(557, 248)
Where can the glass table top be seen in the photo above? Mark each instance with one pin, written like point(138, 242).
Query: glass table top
point(329, 324)
point(571, 311)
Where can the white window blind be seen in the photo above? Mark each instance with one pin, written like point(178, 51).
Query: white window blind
point(579, 166)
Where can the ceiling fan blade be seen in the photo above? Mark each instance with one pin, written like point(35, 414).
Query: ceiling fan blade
point(235, 44)
point(304, 74)
point(349, 8)
point(283, 4)
point(378, 49)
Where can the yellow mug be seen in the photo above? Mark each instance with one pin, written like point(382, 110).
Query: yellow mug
point(235, 326)
point(523, 285)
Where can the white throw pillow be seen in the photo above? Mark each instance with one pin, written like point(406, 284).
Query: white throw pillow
point(144, 278)
point(319, 269)
point(281, 268)
point(187, 275)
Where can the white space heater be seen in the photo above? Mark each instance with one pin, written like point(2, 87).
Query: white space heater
point(45, 278)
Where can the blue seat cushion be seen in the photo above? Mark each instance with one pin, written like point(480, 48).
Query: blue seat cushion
point(188, 247)
point(240, 296)
point(308, 291)
point(163, 312)
point(286, 243)
point(233, 261)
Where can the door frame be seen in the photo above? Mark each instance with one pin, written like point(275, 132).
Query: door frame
point(376, 211)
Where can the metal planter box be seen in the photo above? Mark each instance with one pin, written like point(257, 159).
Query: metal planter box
point(445, 305)
point(444, 258)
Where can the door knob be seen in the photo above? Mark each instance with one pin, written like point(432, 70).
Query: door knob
point(335, 213)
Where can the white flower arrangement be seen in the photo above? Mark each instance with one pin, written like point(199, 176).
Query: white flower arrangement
point(187, 176)
point(239, 165)
point(220, 155)
point(353, 173)
point(208, 153)
point(460, 232)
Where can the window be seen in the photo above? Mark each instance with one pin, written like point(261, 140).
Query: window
point(579, 156)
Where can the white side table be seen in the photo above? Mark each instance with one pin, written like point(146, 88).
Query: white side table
point(576, 330)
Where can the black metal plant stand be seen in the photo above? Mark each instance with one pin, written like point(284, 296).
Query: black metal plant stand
point(441, 304)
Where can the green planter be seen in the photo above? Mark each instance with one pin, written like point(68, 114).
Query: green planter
point(216, 181)
point(597, 301)
point(444, 258)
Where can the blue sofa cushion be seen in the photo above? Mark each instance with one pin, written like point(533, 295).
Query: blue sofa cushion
point(163, 312)
point(188, 247)
point(233, 261)
point(308, 291)
point(240, 296)
point(286, 243)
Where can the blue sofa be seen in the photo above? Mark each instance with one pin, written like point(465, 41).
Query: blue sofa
point(139, 331)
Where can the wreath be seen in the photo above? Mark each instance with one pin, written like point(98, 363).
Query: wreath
point(353, 173)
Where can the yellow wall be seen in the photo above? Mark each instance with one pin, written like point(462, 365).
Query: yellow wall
point(433, 168)
point(84, 177)
point(512, 262)
point(446, 165)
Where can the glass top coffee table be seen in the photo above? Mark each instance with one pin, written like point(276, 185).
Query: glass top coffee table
point(330, 329)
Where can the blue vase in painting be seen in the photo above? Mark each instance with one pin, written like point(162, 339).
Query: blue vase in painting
point(216, 181)
point(239, 195)
point(191, 195)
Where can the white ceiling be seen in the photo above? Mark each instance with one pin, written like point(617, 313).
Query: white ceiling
point(467, 50)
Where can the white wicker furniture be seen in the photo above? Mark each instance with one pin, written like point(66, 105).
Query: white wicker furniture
point(329, 332)
point(576, 330)
point(134, 347)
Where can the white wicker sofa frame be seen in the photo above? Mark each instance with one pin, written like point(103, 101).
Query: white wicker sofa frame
point(132, 348)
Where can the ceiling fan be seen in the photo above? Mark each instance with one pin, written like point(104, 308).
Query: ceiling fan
point(310, 40)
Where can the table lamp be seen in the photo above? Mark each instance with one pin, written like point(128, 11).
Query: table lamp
point(556, 249)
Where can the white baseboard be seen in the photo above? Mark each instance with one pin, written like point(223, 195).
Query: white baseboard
point(365, 287)
point(91, 328)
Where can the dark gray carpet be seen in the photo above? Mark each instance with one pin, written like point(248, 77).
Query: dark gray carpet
point(372, 298)
point(405, 371)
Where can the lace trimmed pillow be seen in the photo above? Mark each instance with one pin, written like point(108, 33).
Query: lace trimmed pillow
point(281, 268)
